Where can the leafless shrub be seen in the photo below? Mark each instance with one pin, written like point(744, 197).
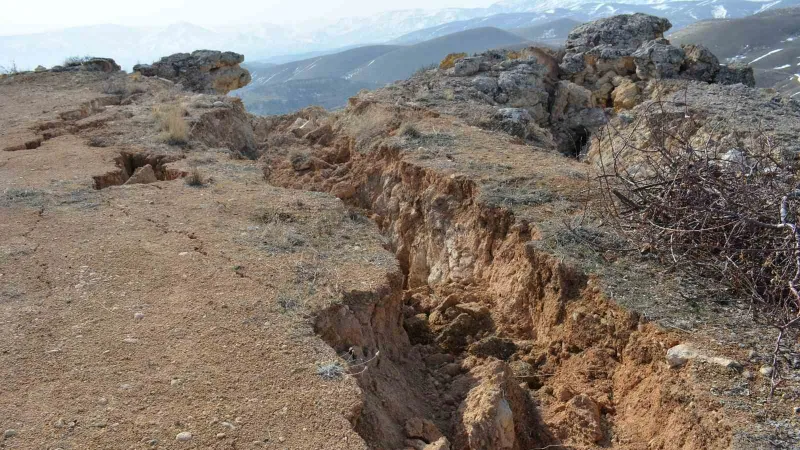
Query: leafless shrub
point(728, 210)
point(10, 70)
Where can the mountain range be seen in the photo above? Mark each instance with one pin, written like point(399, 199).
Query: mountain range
point(129, 45)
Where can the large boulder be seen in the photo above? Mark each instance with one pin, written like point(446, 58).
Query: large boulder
point(466, 67)
point(205, 71)
point(100, 65)
point(657, 59)
point(700, 64)
point(735, 74)
point(626, 31)
point(89, 64)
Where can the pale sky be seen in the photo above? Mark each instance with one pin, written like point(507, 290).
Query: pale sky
point(31, 16)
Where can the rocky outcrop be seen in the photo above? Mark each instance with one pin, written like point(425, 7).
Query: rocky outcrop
point(699, 63)
point(205, 71)
point(92, 64)
point(623, 32)
point(558, 100)
point(736, 74)
point(657, 59)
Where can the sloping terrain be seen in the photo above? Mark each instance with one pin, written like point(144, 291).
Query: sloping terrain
point(338, 65)
point(401, 63)
point(769, 42)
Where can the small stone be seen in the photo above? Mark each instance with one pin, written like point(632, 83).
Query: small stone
point(796, 410)
point(281, 439)
point(138, 316)
point(102, 401)
point(10, 433)
point(183, 436)
point(152, 442)
point(452, 369)
point(130, 340)
point(228, 425)
point(220, 435)
point(748, 375)
point(766, 371)
point(751, 355)
point(679, 355)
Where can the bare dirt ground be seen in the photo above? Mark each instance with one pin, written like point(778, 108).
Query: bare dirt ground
point(133, 313)
point(253, 314)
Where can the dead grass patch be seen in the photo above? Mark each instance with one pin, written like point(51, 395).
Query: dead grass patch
point(173, 125)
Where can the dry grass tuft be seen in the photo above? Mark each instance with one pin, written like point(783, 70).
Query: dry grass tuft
point(410, 131)
point(196, 178)
point(175, 130)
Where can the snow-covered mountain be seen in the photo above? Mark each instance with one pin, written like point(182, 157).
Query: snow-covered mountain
point(129, 45)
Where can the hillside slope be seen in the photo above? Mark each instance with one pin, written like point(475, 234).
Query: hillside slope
point(337, 65)
point(769, 42)
point(403, 62)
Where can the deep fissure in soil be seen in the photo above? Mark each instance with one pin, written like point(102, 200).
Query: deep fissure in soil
point(484, 333)
point(128, 163)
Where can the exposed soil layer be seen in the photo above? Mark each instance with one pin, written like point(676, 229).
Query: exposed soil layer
point(498, 344)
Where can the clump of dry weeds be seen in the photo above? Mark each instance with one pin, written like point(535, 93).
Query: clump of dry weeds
point(171, 122)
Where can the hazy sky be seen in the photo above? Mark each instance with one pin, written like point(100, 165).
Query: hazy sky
point(30, 16)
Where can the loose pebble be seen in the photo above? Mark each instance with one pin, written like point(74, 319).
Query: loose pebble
point(766, 371)
point(138, 316)
point(183, 436)
point(8, 434)
point(220, 435)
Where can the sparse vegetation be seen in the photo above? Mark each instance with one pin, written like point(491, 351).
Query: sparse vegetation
point(171, 122)
point(410, 131)
point(330, 371)
point(195, 178)
point(122, 86)
point(10, 70)
point(450, 60)
point(425, 69)
point(76, 60)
